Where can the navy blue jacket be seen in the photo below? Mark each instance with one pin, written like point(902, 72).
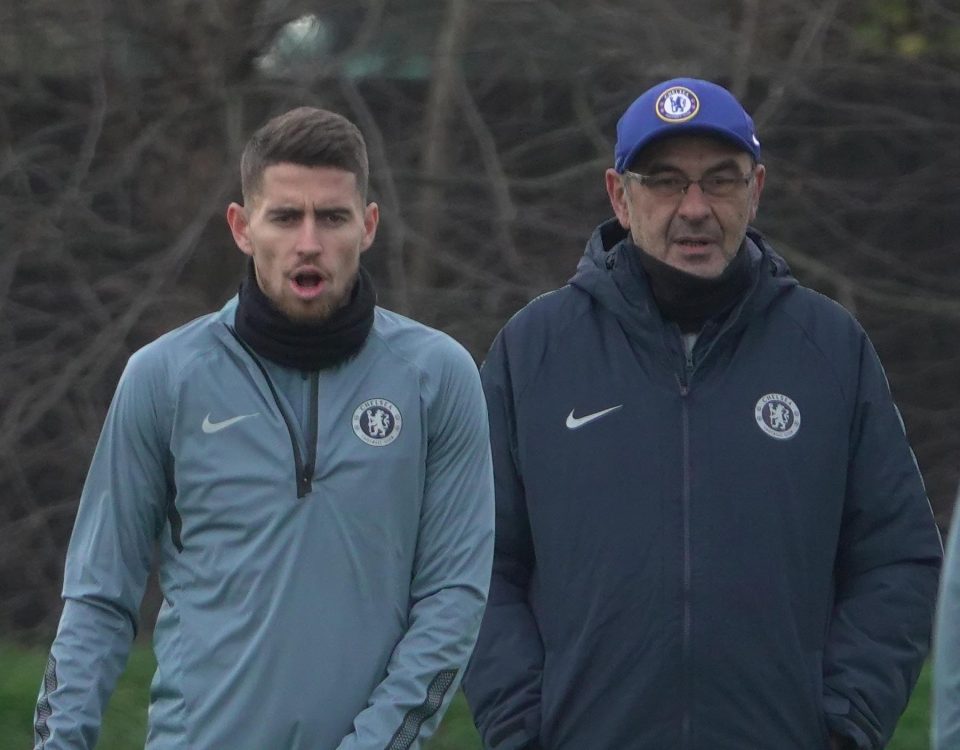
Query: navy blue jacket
point(721, 551)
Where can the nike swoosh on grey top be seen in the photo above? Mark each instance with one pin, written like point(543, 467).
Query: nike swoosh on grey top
point(212, 427)
point(574, 423)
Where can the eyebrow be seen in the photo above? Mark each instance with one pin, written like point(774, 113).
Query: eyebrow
point(282, 210)
point(657, 167)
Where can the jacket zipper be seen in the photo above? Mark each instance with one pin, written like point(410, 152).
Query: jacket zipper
point(305, 481)
point(304, 473)
point(685, 726)
point(684, 379)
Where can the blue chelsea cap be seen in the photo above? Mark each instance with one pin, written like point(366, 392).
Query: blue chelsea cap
point(683, 106)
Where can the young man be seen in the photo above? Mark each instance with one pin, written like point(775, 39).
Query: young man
point(316, 471)
point(711, 531)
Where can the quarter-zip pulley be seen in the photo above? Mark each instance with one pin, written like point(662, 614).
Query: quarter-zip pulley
point(304, 471)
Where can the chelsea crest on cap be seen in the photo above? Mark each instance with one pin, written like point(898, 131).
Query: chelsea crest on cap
point(687, 106)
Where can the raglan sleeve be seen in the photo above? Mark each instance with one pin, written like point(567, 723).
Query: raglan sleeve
point(946, 658)
point(451, 573)
point(886, 571)
point(503, 681)
point(120, 515)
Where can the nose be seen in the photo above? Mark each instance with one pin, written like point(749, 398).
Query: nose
point(694, 205)
point(308, 238)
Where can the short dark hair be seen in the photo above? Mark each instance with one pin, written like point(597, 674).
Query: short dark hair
point(309, 137)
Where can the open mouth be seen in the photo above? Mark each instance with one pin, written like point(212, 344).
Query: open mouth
point(307, 283)
point(307, 279)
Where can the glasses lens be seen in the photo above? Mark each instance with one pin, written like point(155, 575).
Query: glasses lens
point(722, 186)
point(667, 186)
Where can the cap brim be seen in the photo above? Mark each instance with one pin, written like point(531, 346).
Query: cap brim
point(674, 131)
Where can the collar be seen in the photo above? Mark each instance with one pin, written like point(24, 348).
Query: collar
point(304, 345)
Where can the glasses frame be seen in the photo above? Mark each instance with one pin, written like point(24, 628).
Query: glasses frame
point(644, 180)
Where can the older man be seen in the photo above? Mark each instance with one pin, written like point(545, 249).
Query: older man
point(711, 531)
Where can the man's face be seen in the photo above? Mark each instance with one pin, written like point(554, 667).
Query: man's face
point(691, 231)
point(305, 229)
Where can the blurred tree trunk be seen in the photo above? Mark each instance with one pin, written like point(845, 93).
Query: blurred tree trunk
point(437, 136)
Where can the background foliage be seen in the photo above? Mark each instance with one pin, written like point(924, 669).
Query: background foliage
point(489, 125)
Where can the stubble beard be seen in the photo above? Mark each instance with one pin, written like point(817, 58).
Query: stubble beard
point(317, 311)
point(314, 312)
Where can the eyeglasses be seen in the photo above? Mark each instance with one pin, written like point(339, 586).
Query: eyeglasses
point(672, 185)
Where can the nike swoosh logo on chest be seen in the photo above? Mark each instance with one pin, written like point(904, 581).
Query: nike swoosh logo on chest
point(212, 427)
point(575, 423)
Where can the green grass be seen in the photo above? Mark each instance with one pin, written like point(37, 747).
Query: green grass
point(124, 724)
point(913, 731)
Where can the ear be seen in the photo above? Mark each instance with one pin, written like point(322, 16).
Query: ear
point(618, 197)
point(371, 219)
point(239, 226)
point(758, 180)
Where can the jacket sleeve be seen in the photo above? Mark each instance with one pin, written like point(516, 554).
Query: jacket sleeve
point(503, 681)
point(946, 658)
point(888, 560)
point(451, 573)
point(120, 514)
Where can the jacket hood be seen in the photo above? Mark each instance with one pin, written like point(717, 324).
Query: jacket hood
point(606, 274)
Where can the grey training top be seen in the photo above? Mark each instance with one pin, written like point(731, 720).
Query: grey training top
point(323, 572)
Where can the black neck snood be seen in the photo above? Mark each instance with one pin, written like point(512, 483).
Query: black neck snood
point(688, 300)
point(304, 346)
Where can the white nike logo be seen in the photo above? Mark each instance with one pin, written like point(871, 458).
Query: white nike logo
point(212, 427)
point(574, 423)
